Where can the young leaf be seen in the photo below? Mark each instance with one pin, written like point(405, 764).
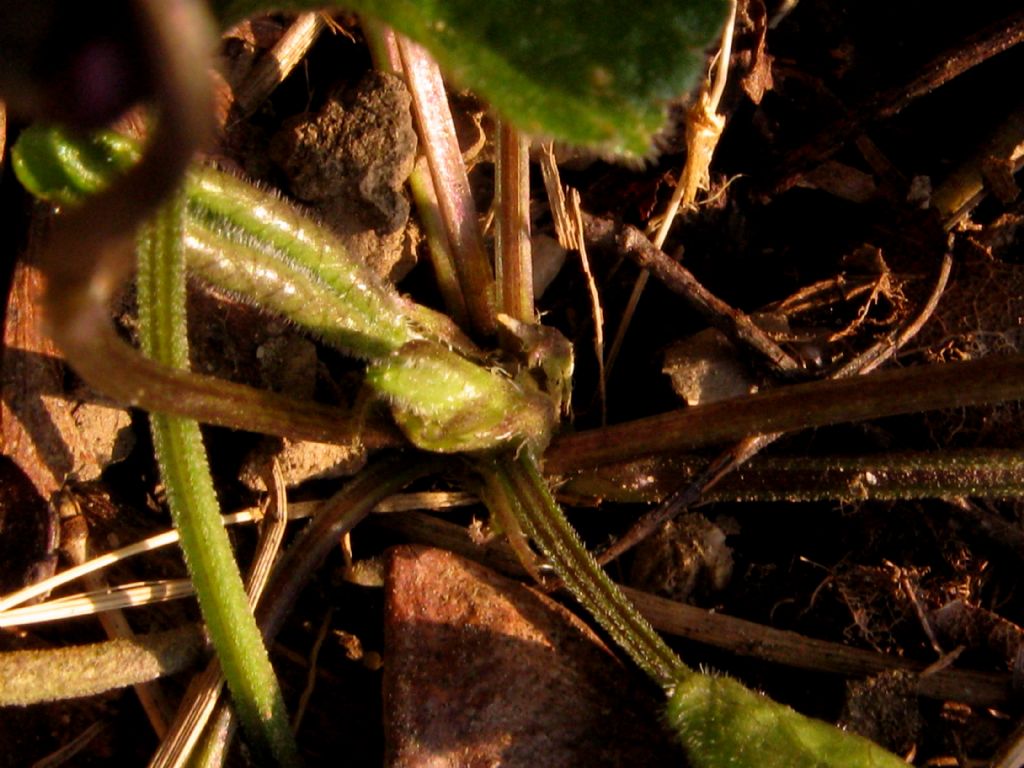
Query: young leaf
point(722, 724)
point(592, 72)
point(253, 244)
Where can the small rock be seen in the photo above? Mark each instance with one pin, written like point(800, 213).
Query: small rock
point(480, 670)
point(351, 161)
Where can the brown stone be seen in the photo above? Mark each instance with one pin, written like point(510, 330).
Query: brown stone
point(480, 670)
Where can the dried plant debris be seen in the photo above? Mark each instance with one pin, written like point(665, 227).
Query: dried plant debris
point(982, 311)
point(480, 670)
point(877, 604)
point(981, 314)
point(961, 624)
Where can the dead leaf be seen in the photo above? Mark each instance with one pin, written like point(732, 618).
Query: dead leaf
point(758, 77)
point(37, 426)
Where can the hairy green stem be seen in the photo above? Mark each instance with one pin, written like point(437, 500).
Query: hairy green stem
point(193, 500)
point(912, 475)
point(515, 490)
point(372, 323)
point(719, 722)
point(335, 517)
point(52, 674)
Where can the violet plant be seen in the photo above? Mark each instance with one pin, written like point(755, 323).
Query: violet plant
point(444, 402)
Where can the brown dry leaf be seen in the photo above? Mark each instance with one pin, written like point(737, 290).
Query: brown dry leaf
point(480, 670)
point(38, 427)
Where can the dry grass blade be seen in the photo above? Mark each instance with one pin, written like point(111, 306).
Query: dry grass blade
point(458, 212)
point(703, 128)
point(277, 63)
point(513, 255)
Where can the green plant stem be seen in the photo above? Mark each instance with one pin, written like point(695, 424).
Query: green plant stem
point(446, 274)
point(335, 517)
point(925, 475)
point(193, 501)
point(53, 674)
point(719, 722)
point(514, 264)
point(515, 490)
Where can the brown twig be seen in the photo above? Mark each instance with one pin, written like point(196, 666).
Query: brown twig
point(733, 323)
point(798, 406)
point(277, 63)
point(813, 403)
point(704, 127)
point(747, 638)
point(690, 492)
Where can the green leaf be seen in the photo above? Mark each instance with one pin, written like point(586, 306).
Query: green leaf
point(722, 725)
point(592, 72)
